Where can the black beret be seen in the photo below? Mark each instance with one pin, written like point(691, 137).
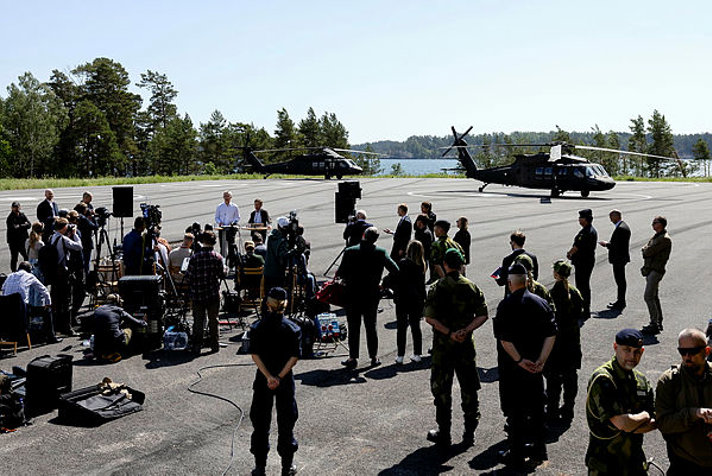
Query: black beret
point(277, 293)
point(586, 213)
point(630, 337)
point(444, 224)
point(453, 258)
point(517, 269)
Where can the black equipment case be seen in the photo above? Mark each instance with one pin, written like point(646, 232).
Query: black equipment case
point(47, 378)
point(89, 407)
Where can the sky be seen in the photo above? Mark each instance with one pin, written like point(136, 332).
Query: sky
point(390, 69)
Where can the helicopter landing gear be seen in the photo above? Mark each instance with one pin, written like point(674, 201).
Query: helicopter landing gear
point(555, 193)
point(481, 189)
point(585, 193)
point(339, 177)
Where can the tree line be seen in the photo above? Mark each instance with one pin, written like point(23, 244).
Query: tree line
point(88, 123)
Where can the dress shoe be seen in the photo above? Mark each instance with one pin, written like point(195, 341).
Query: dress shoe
point(258, 471)
point(349, 363)
point(415, 358)
point(399, 360)
point(536, 452)
point(511, 459)
point(290, 470)
point(440, 438)
point(375, 362)
point(650, 329)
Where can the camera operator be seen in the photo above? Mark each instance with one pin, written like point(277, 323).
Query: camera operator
point(87, 226)
point(87, 197)
point(113, 328)
point(355, 228)
point(137, 258)
point(277, 254)
point(226, 214)
point(64, 239)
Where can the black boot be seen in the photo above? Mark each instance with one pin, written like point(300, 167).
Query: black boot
point(440, 437)
point(468, 436)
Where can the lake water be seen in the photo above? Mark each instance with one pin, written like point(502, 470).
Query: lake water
point(419, 166)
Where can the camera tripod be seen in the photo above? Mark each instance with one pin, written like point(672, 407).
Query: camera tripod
point(338, 257)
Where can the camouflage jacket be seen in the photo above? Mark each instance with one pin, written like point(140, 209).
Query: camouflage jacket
point(614, 391)
point(440, 247)
point(454, 301)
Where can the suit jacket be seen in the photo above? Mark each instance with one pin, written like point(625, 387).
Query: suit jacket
point(354, 232)
point(618, 246)
point(361, 269)
point(507, 262)
point(263, 214)
point(401, 236)
point(46, 210)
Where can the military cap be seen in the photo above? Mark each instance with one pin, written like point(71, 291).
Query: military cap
point(15, 204)
point(562, 268)
point(586, 213)
point(453, 258)
point(630, 337)
point(444, 224)
point(517, 269)
point(277, 293)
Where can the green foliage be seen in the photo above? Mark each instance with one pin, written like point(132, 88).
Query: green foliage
point(701, 154)
point(663, 143)
point(397, 169)
point(370, 164)
point(285, 135)
point(33, 117)
point(332, 132)
point(214, 142)
point(95, 143)
point(310, 130)
point(160, 108)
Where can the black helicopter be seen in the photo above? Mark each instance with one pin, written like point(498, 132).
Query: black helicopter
point(557, 170)
point(324, 161)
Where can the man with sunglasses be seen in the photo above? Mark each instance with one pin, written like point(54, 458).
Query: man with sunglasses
point(683, 407)
point(655, 256)
point(619, 409)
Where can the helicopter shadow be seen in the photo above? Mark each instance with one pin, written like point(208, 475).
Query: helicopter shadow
point(537, 196)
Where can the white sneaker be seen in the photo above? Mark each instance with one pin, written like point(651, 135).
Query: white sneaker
point(415, 358)
point(399, 360)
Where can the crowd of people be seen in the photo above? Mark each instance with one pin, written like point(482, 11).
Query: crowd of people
point(537, 330)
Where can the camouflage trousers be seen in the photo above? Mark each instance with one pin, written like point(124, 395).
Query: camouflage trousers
point(445, 367)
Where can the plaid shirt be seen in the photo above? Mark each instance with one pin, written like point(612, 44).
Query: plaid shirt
point(24, 283)
point(205, 271)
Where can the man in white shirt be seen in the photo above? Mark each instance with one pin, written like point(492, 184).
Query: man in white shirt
point(226, 214)
point(24, 283)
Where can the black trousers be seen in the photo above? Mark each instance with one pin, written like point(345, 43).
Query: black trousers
point(60, 292)
point(409, 315)
point(261, 418)
point(15, 250)
point(619, 276)
point(368, 308)
point(556, 380)
point(583, 283)
point(526, 415)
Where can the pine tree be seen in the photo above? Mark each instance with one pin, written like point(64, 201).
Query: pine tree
point(332, 132)
point(160, 107)
point(662, 142)
point(701, 154)
point(638, 142)
point(213, 142)
point(309, 130)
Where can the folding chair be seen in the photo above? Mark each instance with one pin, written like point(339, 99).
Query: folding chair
point(251, 282)
point(13, 324)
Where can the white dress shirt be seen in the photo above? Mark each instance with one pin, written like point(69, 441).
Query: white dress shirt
point(227, 214)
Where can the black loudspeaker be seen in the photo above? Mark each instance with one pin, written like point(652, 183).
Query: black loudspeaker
point(140, 291)
point(344, 207)
point(123, 201)
point(350, 188)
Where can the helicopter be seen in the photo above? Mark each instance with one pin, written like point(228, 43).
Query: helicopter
point(558, 170)
point(324, 161)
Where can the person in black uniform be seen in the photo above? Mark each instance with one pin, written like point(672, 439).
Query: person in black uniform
point(353, 234)
point(361, 269)
point(462, 237)
point(583, 256)
point(426, 208)
point(618, 256)
point(275, 345)
point(526, 330)
point(516, 241)
point(113, 329)
point(401, 235)
point(18, 227)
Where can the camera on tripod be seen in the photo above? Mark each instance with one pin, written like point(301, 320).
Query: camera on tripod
point(101, 216)
point(151, 214)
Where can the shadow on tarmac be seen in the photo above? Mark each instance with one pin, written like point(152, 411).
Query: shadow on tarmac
point(330, 378)
point(427, 460)
point(163, 358)
point(607, 314)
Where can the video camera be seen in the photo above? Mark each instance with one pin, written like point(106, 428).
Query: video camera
point(292, 228)
point(102, 215)
point(151, 215)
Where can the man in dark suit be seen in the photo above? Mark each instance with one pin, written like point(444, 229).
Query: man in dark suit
point(355, 229)
point(47, 212)
point(618, 256)
point(516, 242)
point(259, 217)
point(401, 236)
point(361, 270)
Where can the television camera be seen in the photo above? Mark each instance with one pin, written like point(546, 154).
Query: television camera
point(152, 215)
point(102, 215)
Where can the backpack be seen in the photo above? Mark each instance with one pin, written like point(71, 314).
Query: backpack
point(48, 261)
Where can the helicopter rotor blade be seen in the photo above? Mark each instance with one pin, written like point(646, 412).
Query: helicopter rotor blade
point(618, 151)
point(352, 151)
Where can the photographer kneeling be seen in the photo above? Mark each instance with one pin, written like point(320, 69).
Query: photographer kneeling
point(112, 329)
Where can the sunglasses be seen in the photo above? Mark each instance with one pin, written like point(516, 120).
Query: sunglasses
point(691, 350)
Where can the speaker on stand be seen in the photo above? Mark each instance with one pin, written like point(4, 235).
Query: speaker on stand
point(123, 204)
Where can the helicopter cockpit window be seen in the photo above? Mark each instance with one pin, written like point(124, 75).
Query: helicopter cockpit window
point(578, 172)
point(590, 172)
point(601, 171)
point(350, 163)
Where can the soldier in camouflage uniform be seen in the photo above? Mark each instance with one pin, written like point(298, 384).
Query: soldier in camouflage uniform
point(455, 307)
point(534, 286)
point(619, 406)
point(440, 246)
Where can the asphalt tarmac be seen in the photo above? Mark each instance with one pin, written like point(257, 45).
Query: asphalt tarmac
point(373, 421)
